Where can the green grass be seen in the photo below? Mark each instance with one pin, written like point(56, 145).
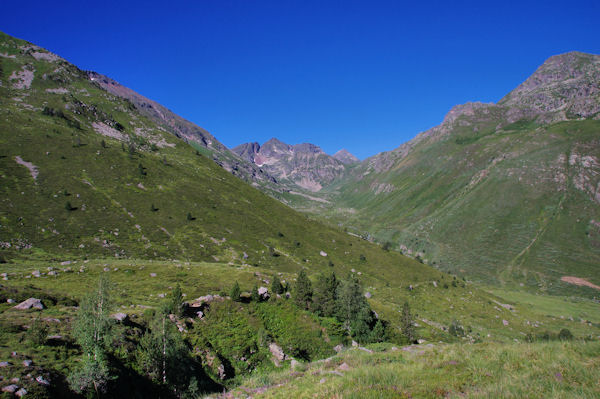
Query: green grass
point(548, 370)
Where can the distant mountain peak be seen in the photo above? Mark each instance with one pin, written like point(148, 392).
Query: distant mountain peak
point(345, 157)
point(567, 85)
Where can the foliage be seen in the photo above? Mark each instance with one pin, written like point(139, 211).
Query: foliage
point(162, 353)
point(276, 287)
point(325, 295)
point(235, 292)
point(456, 329)
point(303, 291)
point(407, 323)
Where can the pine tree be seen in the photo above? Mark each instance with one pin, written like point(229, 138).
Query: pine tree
point(325, 295)
point(93, 331)
point(378, 334)
point(353, 309)
point(235, 292)
point(176, 305)
point(255, 296)
point(303, 291)
point(276, 286)
point(406, 323)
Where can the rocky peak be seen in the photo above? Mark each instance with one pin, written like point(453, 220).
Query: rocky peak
point(566, 85)
point(247, 151)
point(345, 157)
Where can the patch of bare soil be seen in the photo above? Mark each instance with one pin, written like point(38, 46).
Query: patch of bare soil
point(579, 281)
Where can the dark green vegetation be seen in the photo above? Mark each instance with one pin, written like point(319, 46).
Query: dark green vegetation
point(90, 185)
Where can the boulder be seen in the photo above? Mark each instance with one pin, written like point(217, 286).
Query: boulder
point(152, 274)
point(10, 388)
point(294, 364)
point(10, 300)
point(27, 362)
point(276, 351)
point(42, 381)
point(368, 295)
point(263, 293)
point(120, 317)
point(52, 273)
point(323, 253)
point(21, 392)
point(344, 367)
point(36, 273)
point(30, 303)
point(5, 364)
point(338, 348)
point(354, 343)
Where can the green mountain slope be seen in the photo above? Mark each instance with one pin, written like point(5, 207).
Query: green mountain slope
point(500, 193)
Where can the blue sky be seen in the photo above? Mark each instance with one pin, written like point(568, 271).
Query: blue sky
point(363, 75)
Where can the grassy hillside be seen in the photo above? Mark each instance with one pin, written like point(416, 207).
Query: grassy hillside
point(549, 370)
point(515, 205)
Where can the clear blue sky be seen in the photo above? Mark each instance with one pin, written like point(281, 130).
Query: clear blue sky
point(364, 75)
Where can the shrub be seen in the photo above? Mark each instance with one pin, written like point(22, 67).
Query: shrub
point(456, 329)
point(565, 335)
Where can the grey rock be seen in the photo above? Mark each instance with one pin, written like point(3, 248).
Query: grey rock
point(10, 388)
point(368, 295)
point(120, 317)
point(21, 392)
point(276, 351)
point(27, 362)
point(41, 380)
point(5, 364)
point(30, 303)
point(338, 348)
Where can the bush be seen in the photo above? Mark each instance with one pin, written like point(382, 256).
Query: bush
point(456, 329)
point(565, 335)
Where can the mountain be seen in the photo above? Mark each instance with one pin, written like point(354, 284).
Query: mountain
point(502, 193)
point(345, 157)
point(93, 184)
point(303, 165)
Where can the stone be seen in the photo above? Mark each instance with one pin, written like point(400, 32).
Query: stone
point(152, 274)
point(21, 392)
point(362, 348)
point(52, 273)
point(41, 380)
point(106, 269)
point(27, 362)
point(276, 351)
point(354, 343)
point(200, 314)
point(65, 263)
point(5, 364)
point(120, 317)
point(263, 292)
point(322, 381)
point(10, 300)
point(221, 372)
point(10, 388)
point(435, 284)
point(421, 341)
point(323, 253)
point(36, 273)
point(294, 364)
point(344, 367)
point(338, 348)
point(368, 295)
point(505, 322)
point(30, 303)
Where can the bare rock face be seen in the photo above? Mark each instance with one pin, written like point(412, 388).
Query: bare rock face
point(305, 165)
point(564, 87)
point(277, 352)
point(30, 303)
point(345, 157)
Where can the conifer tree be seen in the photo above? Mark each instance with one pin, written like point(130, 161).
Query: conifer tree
point(325, 295)
point(176, 305)
point(406, 323)
point(276, 286)
point(235, 292)
point(353, 309)
point(378, 334)
point(303, 291)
